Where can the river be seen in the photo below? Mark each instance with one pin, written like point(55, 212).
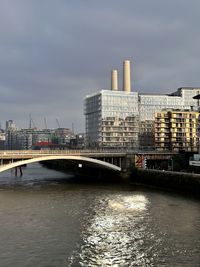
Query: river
point(49, 219)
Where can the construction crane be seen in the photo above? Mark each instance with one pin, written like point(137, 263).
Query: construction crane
point(31, 122)
point(58, 123)
point(45, 123)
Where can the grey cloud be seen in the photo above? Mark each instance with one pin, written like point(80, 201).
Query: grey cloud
point(53, 53)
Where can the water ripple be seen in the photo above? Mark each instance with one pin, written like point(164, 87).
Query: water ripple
point(109, 238)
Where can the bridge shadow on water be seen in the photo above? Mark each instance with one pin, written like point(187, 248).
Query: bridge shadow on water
point(84, 175)
point(58, 173)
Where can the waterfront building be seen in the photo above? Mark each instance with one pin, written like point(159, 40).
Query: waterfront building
point(22, 139)
point(62, 137)
point(33, 138)
point(112, 119)
point(126, 119)
point(2, 139)
point(182, 99)
point(176, 130)
point(78, 141)
point(148, 105)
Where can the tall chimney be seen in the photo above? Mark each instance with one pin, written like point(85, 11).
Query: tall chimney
point(126, 76)
point(114, 80)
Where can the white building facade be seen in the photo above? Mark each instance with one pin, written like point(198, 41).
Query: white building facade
point(112, 119)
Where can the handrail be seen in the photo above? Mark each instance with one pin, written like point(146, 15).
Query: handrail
point(78, 152)
point(59, 152)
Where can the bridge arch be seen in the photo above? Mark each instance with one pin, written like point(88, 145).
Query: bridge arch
point(79, 159)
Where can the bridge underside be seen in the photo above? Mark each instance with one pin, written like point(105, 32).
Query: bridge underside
point(72, 162)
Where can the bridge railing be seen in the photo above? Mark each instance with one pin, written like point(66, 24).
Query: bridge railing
point(79, 152)
point(40, 152)
point(58, 152)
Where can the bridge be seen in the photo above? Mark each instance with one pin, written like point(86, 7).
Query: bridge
point(15, 158)
point(115, 160)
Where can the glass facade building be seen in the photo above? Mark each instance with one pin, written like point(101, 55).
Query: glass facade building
point(112, 119)
point(187, 94)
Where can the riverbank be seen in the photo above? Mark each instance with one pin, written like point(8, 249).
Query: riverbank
point(179, 181)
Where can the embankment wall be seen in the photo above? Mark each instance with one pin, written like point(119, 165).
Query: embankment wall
point(187, 182)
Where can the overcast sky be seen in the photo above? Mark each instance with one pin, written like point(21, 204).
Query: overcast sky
point(54, 52)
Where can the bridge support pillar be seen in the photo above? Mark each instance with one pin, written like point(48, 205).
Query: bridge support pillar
point(20, 170)
point(126, 163)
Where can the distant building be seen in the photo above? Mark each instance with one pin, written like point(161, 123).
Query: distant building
point(176, 130)
point(2, 139)
point(10, 126)
point(25, 139)
point(78, 141)
point(62, 137)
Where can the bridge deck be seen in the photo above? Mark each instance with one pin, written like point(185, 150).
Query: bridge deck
point(36, 153)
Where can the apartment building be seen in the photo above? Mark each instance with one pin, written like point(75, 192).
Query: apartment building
point(176, 130)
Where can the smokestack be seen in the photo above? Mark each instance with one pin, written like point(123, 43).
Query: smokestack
point(126, 76)
point(114, 80)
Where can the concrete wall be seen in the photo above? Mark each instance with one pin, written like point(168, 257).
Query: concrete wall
point(186, 182)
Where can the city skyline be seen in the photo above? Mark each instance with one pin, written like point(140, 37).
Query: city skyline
point(52, 54)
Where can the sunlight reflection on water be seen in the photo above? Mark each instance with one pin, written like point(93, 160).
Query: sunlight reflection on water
point(115, 234)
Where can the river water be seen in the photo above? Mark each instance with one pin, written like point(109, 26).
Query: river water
point(49, 219)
